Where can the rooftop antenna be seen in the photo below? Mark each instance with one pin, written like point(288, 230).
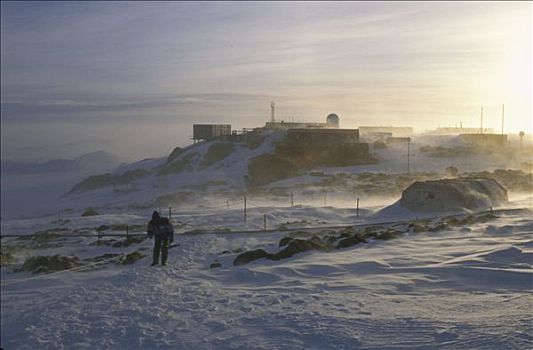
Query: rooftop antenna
point(503, 114)
point(481, 130)
point(272, 109)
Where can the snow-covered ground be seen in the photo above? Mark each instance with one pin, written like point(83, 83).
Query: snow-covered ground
point(460, 286)
point(464, 287)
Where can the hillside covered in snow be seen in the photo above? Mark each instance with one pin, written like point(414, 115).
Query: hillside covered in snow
point(214, 173)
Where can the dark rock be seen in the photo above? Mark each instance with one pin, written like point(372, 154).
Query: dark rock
point(6, 258)
point(284, 241)
point(350, 241)
point(298, 246)
point(249, 256)
point(316, 239)
point(438, 227)
point(42, 264)
point(215, 264)
point(103, 228)
point(453, 221)
point(346, 232)
point(131, 258)
point(417, 227)
point(90, 212)
point(330, 239)
point(389, 234)
point(486, 217)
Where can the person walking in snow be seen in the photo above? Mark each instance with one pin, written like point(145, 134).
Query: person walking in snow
point(163, 233)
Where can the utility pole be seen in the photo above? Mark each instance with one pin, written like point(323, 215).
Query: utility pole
point(357, 208)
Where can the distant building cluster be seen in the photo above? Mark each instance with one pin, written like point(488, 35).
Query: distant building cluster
point(329, 133)
point(392, 130)
point(484, 140)
point(460, 130)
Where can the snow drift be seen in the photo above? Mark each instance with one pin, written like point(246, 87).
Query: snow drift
point(450, 195)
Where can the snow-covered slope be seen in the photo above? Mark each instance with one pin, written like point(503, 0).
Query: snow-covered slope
point(205, 168)
point(466, 286)
point(30, 189)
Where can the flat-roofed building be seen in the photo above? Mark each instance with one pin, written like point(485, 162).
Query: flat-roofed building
point(210, 131)
point(484, 140)
point(394, 130)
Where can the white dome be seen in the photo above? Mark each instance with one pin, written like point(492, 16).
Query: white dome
point(333, 120)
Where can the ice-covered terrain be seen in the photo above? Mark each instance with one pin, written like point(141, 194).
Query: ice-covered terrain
point(466, 286)
point(376, 279)
point(212, 173)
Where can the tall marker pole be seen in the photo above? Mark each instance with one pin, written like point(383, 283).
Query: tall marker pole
point(244, 208)
point(292, 199)
point(408, 155)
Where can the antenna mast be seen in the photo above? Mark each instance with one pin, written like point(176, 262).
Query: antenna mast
point(272, 109)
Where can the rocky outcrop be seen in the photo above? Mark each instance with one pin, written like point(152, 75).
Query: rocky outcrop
point(249, 256)
point(296, 246)
point(131, 258)
point(43, 264)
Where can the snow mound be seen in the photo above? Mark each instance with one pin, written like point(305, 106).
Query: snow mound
point(446, 196)
point(452, 195)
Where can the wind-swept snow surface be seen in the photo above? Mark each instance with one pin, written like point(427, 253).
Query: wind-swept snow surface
point(464, 287)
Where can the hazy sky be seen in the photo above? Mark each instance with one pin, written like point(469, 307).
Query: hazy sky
point(132, 77)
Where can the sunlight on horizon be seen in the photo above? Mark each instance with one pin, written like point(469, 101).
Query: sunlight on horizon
point(373, 63)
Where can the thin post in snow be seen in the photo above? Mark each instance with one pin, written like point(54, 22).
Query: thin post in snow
point(357, 209)
point(408, 155)
point(292, 199)
point(244, 208)
point(265, 222)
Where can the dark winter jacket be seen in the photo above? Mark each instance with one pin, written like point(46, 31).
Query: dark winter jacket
point(160, 227)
